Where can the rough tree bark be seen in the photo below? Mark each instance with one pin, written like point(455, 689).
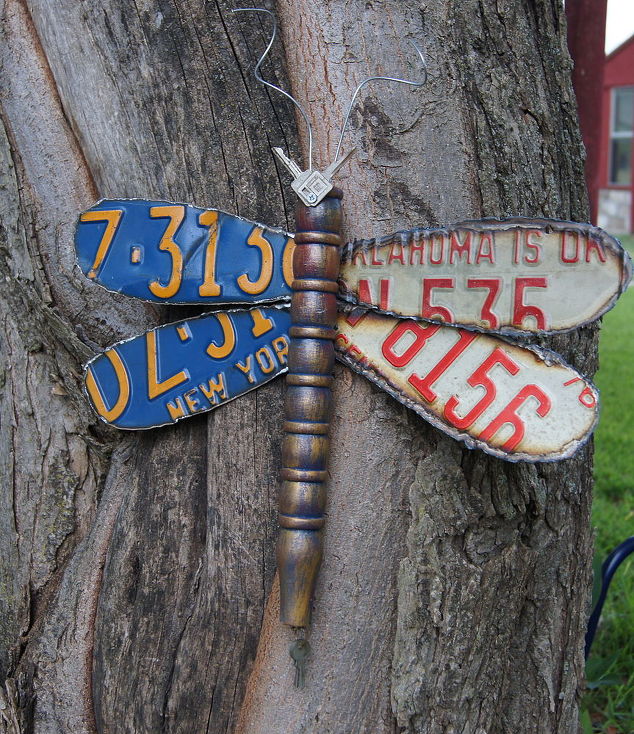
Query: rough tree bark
point(137, 588)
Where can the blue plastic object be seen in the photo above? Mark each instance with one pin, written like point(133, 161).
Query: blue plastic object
point(608, 569)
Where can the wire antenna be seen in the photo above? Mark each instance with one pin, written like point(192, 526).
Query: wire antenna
point(312, 186)
point(398, 80)
point(259, 77)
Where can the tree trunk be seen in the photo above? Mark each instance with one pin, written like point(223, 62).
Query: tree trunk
point(137, 589)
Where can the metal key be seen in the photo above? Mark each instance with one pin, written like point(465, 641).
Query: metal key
point(311, 186)
point(299, 651)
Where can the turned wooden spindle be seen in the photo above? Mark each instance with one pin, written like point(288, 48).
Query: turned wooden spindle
point(308, 407)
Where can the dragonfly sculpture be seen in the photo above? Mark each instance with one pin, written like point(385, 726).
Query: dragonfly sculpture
point(433, 316)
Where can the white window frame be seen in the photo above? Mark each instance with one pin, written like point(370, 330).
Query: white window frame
point(618, 135)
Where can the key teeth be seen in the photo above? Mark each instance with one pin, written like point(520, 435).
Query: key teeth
point(299, 651)
point(289, 164)
point(336, 165)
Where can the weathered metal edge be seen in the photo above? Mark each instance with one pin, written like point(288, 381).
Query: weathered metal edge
point(547, 356)
point(280, 307)
point(170, 302)
point(498, 225)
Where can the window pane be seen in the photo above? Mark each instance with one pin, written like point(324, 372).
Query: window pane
point(621, 161)
point(623, 109)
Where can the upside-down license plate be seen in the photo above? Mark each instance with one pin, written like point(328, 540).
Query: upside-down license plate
point(507, 400)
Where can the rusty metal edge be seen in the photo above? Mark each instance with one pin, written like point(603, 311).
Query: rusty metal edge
point(497, 225)
point(277, 230)
point(159, 326)
point(547, 356)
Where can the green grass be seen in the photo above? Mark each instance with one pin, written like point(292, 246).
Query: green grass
point(609, 704)
point(627, 240)
point(614, 468)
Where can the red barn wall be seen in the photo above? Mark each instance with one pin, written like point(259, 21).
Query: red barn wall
point(618, 72)
point(586, 42)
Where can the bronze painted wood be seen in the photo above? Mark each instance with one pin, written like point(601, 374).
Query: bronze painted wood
point(308, 405)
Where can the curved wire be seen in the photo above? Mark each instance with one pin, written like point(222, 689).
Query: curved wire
point(259, 77)
point(411, 82)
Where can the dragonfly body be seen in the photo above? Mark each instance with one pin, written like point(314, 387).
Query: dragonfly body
point(308, 405)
